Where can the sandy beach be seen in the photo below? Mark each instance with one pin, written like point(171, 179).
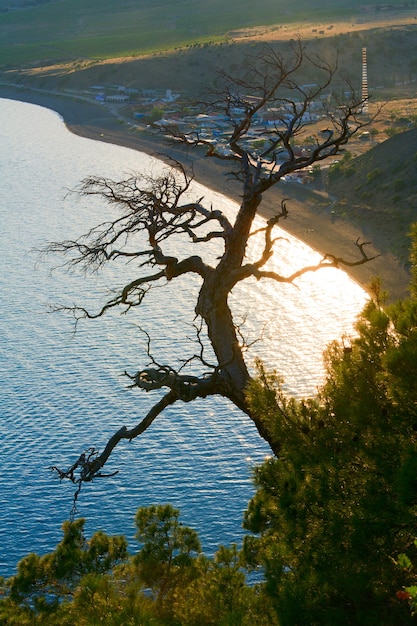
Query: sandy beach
point(310, 217)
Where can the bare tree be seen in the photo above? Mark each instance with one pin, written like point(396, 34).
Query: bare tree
point(153, 210)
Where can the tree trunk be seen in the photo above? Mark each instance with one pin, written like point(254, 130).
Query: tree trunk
point(214, 308)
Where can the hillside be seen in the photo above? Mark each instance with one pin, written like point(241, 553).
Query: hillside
point(391, 60)
point(101, 29)
point(44, 32)
point(378, 192)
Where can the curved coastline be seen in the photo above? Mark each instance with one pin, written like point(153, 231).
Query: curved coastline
point(313, 226)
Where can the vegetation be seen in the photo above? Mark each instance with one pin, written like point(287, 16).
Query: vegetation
point(333, 517)
point(169, 581)
point(338, 504)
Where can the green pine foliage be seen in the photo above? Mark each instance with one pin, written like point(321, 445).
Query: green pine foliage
point(338, 505)
point(44, 584)
point(168, 582)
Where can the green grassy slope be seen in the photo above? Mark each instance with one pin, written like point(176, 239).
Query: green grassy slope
point(71, 29)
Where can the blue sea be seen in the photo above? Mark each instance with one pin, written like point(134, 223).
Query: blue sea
point(63, 391)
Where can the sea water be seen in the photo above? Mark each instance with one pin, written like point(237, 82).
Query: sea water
point(64, 391)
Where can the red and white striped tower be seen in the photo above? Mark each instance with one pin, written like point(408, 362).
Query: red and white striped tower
point(365, 94)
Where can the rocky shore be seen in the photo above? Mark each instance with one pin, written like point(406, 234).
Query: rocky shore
point(310, 217)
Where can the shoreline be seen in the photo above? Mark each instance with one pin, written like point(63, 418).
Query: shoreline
point(313, 225)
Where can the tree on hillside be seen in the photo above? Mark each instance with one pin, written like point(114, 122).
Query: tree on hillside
point(153, 211)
